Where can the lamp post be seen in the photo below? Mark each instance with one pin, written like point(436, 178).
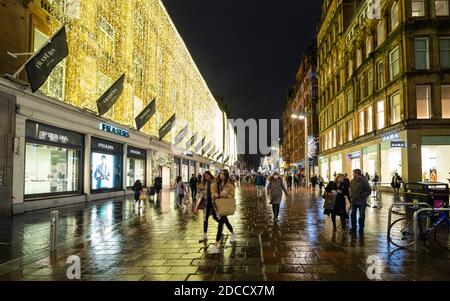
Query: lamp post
point(304, 116)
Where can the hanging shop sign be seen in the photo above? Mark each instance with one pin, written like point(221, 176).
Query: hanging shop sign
point(180, 136)
point(190, 143)
point(200, 145)
point(142, 119)
point(114, 130)
point(398, 144)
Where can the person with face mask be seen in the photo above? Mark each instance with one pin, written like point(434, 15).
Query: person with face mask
point(275, 191)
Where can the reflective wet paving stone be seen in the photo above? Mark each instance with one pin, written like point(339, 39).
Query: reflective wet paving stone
point(115, 241)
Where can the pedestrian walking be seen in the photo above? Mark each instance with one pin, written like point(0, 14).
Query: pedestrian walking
point(338, 189)
point(139, 194)
point(199, 178)
point(260, 185)
point(321, 183)
point(314, 181)
point(367, 177)
point(275, 190)
point(289, 182)
point(157, 184)
point(396, 183)
point(193, 183)
point(180, 191)
point(296, 181)
point(359, 192)
point(222, 188)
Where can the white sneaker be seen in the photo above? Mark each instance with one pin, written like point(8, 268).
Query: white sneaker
point(214, 250)
point(233, 238)
point(203, 238)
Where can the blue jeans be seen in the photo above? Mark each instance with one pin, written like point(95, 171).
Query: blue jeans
point(362, 216)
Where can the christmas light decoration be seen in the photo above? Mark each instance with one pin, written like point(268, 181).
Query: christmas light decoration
point(137, 37)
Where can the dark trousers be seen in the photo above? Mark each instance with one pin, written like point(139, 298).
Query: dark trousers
point(136, 196)
point(222, 221)
point(180, 199)
point(362, 216)
point(193, 193)
point(276, 210)
point(333, 218)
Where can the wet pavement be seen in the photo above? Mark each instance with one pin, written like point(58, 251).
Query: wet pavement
point(115, 240)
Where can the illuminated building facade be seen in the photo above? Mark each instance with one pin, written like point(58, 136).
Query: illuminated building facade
point(106, 39)
point(384, 89)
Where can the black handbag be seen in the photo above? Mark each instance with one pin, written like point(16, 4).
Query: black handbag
point(330, 202)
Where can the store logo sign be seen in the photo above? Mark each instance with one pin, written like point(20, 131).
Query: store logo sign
point(106, 146)
point(52, 137)
point(401, 144)
point(391, 136)
point(354, 155)
point(114, 130)
point(135, 152)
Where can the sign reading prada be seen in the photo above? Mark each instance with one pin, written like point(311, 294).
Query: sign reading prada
point(114, 130)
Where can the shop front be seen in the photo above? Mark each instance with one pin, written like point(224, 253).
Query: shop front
point(177, 167)
point(53, 161)
point(391, 160)
point(106, 166)
point(185, 170)
point(324, 164)
point(435, 159)
point(354, 162)
point(370, 160)
point(192, 170)
point(136, 165)
point(335, 165)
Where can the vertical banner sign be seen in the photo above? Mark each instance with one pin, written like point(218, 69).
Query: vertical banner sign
point(167, 127)
point(109, 98)
point(145, 115)
point(42, 63)
point(374, 9)
point(212, 152)
point(207, 147)
point(190, 143)
point(226, 160)
point(200, 145)
point(180, 136)
point(220, 156)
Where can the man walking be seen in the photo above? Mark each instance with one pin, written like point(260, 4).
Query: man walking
point(359, 192)
point(260, 185)
point(193, 182)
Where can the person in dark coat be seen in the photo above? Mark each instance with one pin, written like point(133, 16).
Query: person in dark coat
point(396, 183)
point(314, 181)
point(138, 188)
point(275, 190)
point(193, 182)
point(157, 183)
point(340, 190)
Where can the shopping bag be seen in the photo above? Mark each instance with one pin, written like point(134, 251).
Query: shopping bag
point(225, 206)
point(186, 200)
point(198, 206)
point(330, 202)
point(142, 196)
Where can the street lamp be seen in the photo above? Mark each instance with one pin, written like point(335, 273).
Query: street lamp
point(304, 116)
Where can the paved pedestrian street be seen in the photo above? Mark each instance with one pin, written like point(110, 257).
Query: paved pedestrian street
point(117, 241)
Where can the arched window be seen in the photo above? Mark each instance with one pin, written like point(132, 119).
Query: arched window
point(394, 16)
point(369, 46)
point(381, 33)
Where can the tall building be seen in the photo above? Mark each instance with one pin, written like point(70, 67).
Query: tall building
point(60, 141)
point(302, 97)
point(384, 89)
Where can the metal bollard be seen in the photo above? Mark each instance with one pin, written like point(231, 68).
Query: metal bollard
point(54, 218)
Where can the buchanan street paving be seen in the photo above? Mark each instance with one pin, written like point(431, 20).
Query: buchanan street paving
point(117, 241)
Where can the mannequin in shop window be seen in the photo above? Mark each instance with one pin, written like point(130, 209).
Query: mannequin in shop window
point(433, 176)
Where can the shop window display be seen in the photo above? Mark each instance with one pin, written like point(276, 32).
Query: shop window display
point(435, 163)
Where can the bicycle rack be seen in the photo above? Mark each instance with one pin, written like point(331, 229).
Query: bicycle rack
point(416, 223)
point(397, 205)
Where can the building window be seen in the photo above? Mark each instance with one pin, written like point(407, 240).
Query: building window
point(445, 95)
point(334, 137)
point(340, 134)
point(395, 108)
point(381, 33)
point(106, 36)
point(441, 7)
point(350, 130)
point(418, 8)
point(380, 115)
point(336, 111)
point(444, 45)
point(350, 67)
point(422, 54)
point(394, 63)
point(359, 57)
point(380, 75)
point(362, 123)
point(349, 100)
point(369, 46)
point(341, 107)
point(362, 89)
point(370, 82)
point(423, 101)
point(369, 119)
point(55, 83)
point(394, 16)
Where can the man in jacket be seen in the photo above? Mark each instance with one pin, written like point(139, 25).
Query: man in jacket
point(193, 185)
point(359, 192)
point(260, 184)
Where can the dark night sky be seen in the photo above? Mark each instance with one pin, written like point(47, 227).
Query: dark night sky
point(247, 50)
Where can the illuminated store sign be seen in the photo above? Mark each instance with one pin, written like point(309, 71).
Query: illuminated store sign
point(390, 137)
point(115, 130)
point(401, 144)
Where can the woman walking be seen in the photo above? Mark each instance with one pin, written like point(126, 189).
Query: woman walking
point(223, 188)
point(180, 190)
point(138, 190)
point(275, 191)
point(339, 190)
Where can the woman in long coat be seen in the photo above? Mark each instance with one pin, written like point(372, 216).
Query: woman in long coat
point(275, 190)
point(340, 190)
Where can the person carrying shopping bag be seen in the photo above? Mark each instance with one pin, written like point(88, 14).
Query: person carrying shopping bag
point(222, 192)
point(275, 191)
point(139, 194)
point(338, 190)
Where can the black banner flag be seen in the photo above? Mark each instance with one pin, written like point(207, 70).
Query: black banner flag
point(146, 115)
point(190, 143)
point(109, 98)
point(167, 127)
point(42, 63)
point(180, 136)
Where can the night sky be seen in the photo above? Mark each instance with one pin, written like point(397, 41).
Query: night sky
point(248, 51)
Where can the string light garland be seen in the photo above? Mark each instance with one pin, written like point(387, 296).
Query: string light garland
point(107, 38)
